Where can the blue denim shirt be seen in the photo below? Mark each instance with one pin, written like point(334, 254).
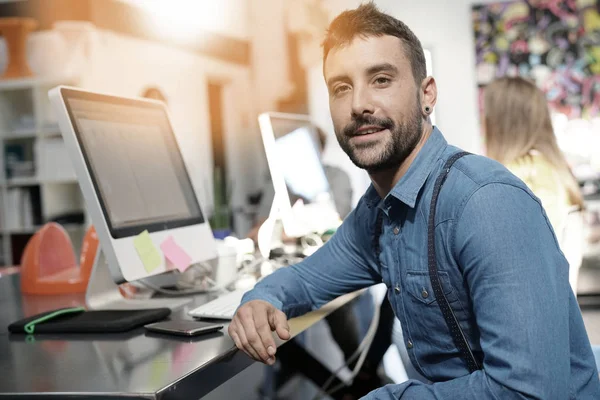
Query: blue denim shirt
point(501, 268)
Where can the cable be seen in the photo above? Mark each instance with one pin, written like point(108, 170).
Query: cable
point(361, 353)
point(366, 343)
point(310, 241)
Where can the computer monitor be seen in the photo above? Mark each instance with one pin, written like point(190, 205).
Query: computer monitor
point(303, 199)
point(133, 179)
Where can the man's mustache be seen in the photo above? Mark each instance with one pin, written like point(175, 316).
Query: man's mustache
point(358, 121)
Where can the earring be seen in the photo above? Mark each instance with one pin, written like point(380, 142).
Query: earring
point(427, 109)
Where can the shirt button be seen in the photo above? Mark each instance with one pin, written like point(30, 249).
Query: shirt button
point(397, 289)
point(424, 293)
point(409, 344)
point(396, 230)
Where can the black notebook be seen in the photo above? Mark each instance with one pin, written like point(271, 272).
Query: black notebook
point(79, 320)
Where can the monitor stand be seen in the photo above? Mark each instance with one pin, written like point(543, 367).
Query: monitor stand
point(103, 294)
point(270, 233)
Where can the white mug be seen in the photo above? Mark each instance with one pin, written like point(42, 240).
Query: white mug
point(227, 264)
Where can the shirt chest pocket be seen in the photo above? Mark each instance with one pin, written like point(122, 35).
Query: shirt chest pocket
point(425, 318)
point(418, 285)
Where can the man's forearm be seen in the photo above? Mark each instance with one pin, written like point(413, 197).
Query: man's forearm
point(285, 290)
point(341, 266)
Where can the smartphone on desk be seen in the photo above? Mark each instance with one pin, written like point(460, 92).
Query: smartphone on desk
point(183, 327)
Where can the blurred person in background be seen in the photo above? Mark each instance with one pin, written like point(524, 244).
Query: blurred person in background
point(519, 134)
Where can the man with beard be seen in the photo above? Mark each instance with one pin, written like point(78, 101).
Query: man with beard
point(473, 269)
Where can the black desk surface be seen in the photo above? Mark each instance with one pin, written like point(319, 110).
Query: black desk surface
point(135, 365)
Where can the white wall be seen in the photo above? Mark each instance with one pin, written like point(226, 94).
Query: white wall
point(444, 27)
point(270, 75)
point(117, 64)
point(269, 53)
point(225, 17)
point(125, 66)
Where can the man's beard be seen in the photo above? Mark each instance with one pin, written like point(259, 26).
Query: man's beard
point(384, 153)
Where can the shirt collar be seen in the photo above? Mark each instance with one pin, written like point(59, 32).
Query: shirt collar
point(408, 187)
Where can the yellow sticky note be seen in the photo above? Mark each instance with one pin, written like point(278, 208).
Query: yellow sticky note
point(149, 255)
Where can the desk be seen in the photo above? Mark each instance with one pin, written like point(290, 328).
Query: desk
point(132, 365)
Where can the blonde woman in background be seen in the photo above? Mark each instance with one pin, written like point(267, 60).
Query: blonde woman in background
point(519, 134)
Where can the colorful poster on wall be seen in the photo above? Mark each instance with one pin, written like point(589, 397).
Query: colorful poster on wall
point(554, 42)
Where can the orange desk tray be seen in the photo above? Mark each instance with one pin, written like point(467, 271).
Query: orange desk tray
point(49, 265)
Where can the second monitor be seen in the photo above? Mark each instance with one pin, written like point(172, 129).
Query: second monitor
point(303, 199)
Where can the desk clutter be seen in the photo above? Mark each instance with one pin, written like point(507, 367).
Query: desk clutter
point(49, 264)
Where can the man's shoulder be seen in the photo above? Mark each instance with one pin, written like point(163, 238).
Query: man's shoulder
point(469, 174)
point(480, 171)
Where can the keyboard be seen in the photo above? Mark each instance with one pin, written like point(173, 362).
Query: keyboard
point(223, 307)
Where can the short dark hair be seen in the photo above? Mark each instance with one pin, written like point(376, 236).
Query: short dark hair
point(367, 20)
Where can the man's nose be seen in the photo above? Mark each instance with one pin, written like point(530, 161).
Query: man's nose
point(361, 102)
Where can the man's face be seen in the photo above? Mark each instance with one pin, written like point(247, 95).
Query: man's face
point(374, 101)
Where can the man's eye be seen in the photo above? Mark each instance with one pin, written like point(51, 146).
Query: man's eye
point(341, 89)
point(382, 80)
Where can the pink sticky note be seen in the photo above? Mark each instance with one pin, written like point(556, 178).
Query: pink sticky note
point(175, 254)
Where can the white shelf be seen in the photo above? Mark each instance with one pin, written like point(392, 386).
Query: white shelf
point(30, 133)
point(18, 231)
point(61, 181)
point(33, 181)
point(50, 132)
point(19, 134)
point(28, 117)
point(34, 229)
point(24, 181)
point(34, 81)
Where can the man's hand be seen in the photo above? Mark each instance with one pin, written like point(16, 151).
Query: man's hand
point(251, 329)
